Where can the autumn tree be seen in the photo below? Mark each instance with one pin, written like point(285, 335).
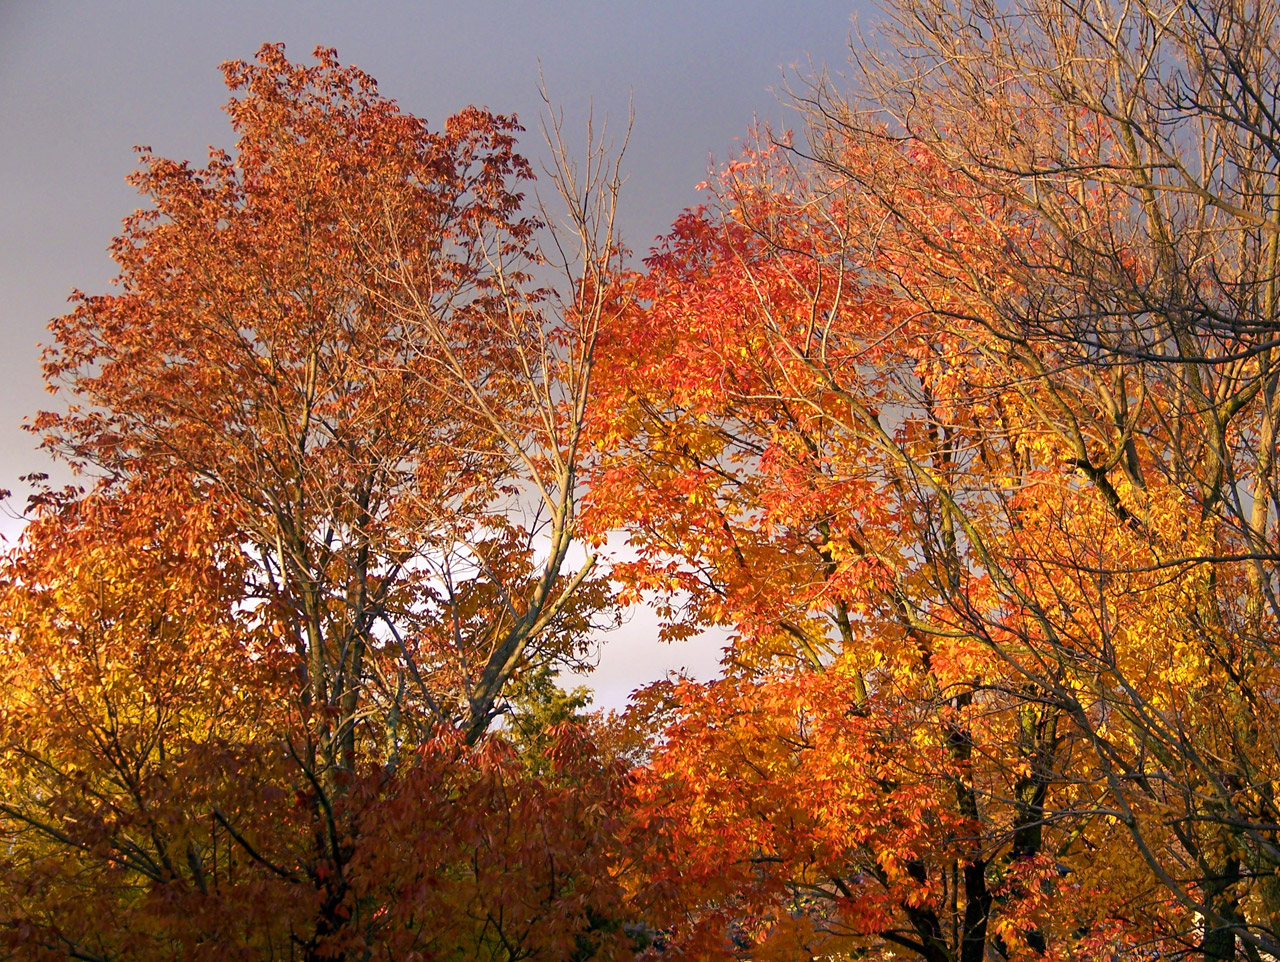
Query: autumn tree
point(971, 402)
point(336, 331)
point(870, 775)
point(1136, 144)
point(339, 396)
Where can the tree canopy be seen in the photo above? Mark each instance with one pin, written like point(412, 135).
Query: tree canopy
point(955, 410)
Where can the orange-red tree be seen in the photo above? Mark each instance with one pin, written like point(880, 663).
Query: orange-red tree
point(824, 447)
point(975, 406)
point(334, 331)
point(334, 430)
point(1137, 144)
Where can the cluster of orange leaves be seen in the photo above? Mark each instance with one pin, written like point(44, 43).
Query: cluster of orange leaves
point(818, 434)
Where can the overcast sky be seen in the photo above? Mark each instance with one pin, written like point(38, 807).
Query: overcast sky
point(82, 83)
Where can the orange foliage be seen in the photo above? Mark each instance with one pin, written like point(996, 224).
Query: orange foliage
point(990, 545)
point(821, 439)
point(252, 672)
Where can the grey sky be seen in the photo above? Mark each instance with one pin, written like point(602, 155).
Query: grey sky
point(81, 83)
